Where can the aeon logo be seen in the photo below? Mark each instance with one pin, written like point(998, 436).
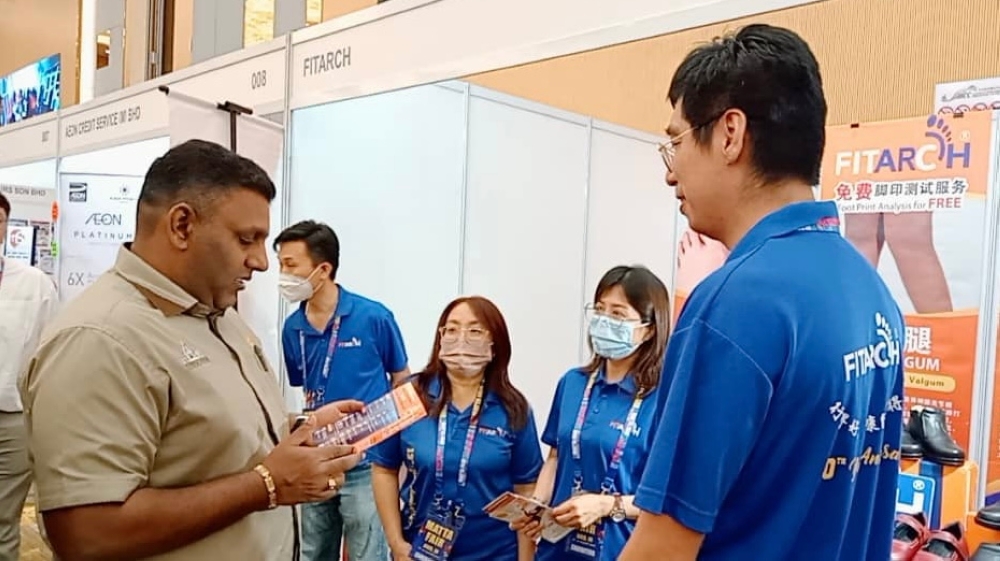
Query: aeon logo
point(885, 353)
point(940, 150)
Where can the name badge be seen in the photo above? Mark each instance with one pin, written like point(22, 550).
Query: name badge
point(585, 543)
point(436, 538)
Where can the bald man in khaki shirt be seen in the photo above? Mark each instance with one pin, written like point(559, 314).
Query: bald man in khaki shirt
point(156, 425)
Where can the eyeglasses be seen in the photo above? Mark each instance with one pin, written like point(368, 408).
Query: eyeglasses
point(618, 317)
point(451, 333)
point(668, 149)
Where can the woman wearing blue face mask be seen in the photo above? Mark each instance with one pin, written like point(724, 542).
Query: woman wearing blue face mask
point(600, 425)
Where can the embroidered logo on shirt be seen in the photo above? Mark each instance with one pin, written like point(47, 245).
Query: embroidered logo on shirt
point(192, 357)
point(493, 431)
point(351, 343)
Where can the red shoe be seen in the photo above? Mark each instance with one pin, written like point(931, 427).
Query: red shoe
point(946, 544)
point(911, 534)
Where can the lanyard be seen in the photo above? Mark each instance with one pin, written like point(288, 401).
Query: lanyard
point(442, 437)
point(2, 263)
point(607, 485)
point(331, 347)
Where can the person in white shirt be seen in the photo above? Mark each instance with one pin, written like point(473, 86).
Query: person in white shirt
point(28, 300)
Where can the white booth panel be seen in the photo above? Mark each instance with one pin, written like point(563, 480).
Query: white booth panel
point(632, 211)
point(524, 243)
point(386, 173)
point(259, 304)
point(35, 174)
point(133, 158)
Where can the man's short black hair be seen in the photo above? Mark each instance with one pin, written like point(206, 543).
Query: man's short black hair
point(200, 171)
point(5, 205)
point(771, 75)
point(320, 240)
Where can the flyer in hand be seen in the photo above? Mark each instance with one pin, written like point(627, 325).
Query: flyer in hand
point(381, 419)
point(511, 506)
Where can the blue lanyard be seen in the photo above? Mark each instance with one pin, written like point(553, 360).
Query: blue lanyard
point(442, 438)
point(331, 348)
point(608, 484)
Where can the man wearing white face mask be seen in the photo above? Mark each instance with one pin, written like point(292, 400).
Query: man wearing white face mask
point(337, 345)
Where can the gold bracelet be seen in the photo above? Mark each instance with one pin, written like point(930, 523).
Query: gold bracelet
point(272, 491)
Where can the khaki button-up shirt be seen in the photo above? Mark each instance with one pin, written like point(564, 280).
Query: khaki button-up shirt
point(136, 384)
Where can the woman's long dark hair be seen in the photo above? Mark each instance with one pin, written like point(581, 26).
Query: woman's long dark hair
point(647, 294)
point(496, 375)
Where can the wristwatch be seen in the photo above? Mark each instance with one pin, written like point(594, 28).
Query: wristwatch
point(618, 510)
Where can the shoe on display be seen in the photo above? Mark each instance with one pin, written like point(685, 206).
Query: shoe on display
point(929, 427)
point(910, 448)
point(987, 552)
point(909, 537)
point(989, 516)
point(946, 544)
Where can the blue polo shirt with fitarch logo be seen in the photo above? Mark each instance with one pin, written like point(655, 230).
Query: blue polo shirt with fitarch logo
point(501, 458)
point(781, 411)
point(369, 348)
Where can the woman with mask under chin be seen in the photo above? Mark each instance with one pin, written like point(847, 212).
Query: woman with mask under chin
point(478, 441)
point(600, 427)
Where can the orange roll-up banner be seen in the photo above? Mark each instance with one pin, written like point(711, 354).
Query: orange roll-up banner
point(913, 198)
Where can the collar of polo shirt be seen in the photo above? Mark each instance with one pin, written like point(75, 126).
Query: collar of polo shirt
point(163, 293)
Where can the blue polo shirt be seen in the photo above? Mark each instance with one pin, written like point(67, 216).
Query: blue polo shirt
point(369, 348)
point(500, 459)
point(605, 420)
point(781, 412)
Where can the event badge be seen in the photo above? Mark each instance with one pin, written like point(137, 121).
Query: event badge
point(436, 537)
point(585, 543)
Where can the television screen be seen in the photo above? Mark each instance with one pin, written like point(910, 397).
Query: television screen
point(30, 91)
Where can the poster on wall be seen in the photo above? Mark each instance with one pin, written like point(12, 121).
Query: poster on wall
point(20, 244)
point(96, 216)
point(31, 207)
point(697, 257)
point(913, 198)
point(967, 95)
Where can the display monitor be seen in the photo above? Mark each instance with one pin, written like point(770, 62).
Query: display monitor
point(30, 91)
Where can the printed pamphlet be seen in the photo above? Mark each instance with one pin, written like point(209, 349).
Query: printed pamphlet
point(381, 419)
point(511, 506)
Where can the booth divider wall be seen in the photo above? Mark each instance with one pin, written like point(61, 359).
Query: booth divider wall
point(444, 190)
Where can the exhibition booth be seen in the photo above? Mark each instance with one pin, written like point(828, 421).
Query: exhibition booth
point(522, 167)
point(28, 180)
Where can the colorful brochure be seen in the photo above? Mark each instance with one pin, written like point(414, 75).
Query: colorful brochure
point(511, 506)
point(381, 419)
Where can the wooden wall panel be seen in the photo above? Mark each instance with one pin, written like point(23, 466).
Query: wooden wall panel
point(880, 60)
point(336, 8)
point(34, 29)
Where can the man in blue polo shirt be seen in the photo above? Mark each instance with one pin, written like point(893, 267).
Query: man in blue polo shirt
point(337, 345)
point(780, 416)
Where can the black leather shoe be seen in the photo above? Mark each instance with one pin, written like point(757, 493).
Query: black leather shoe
point(989, 517)
point(987, 552)
point(909, 448)
point(929, 427)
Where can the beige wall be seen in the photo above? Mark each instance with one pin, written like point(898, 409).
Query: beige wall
point(136, 41)
point(34, 29)
point(336, 8)
point(183, 30)
point(880, 60)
